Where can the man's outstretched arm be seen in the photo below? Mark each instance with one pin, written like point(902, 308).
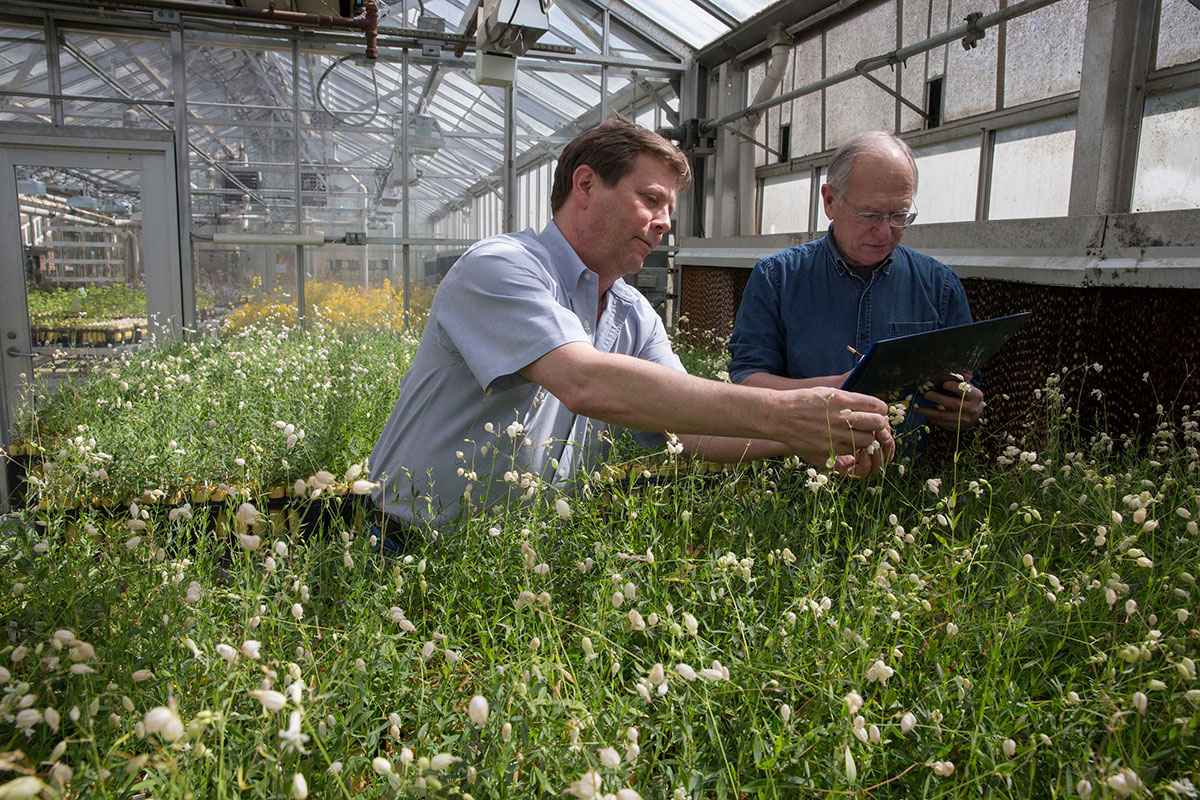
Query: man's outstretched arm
point(639, 394)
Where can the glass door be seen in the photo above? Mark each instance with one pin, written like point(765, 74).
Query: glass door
point(89, 263)
point(83, 268)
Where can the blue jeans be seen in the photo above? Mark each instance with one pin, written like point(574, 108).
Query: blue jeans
point(385, 545)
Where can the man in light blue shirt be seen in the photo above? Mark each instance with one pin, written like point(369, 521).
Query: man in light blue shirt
point(806, 310)
point(535, 347)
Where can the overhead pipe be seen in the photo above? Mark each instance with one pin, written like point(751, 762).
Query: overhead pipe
point(971, 32)
point(781, 52)
point(368, 24)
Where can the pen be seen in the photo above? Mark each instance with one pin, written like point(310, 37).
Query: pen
point(852, 350)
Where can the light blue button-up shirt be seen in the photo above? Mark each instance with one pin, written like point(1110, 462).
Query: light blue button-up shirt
point(507, 302)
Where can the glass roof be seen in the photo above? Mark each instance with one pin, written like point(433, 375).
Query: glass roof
point(240, 96)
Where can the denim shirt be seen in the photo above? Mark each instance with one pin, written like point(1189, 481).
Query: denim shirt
point(804, 305)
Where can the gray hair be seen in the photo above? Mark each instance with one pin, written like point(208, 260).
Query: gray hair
point(874, 143)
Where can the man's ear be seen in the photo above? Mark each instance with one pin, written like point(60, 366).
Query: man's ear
point(583, 181)
point(827, 199)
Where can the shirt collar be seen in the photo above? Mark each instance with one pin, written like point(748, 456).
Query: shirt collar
point(840, 264)
point(569, 267)
point(565, 262)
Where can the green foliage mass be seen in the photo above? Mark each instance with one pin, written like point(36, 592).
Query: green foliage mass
point(1036, 616)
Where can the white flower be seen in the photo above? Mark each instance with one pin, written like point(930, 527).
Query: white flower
point(477, 709)
point(27, 718)
point(943, 769)
point(247, 514)
point(251, 648)
point(635, 620)
point(335, 768)
point(292, 739)
point(686, 672)
point(690, 623)
point(1124, 783)
point(249, 541)
point(182, 512)
point(628, 794)
point(322, 480)
point(23, 788)
point(270, 699)
point(226, 652)
point(562, 508)
point(142, 675)
point(588, 787)
point(879, 673)
point(609, 757)
point(163, 721)
point(442, 760)
point(297, 611)
point(854, 702)
point(1083, 788)
point(951, 629)
point(381, 765)
point(299, 786)
point(714, 672)
point(362, 487)
point(1140, 702)
point(1010, 748)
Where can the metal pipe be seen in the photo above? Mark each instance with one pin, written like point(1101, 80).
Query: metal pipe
point(183, 197)
point(300, 276)
point(87, 98)
point(53, 70)
point(197, 9)
point(776, 70)
point(314, 239)
point(405, 249)
point(973, 28)
point(509, 164)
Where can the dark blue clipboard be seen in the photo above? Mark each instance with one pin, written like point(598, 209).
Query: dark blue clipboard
point(896, 368)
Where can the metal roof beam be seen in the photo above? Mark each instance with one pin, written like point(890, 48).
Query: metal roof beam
point(753, 32)
point(641, 25)
point(729, 20)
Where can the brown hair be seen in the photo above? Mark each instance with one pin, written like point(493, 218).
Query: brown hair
point(610, 149)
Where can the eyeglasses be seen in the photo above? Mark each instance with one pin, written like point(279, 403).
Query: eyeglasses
point(901, 219)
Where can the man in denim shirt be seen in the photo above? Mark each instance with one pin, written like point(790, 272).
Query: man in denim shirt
point(805, 307)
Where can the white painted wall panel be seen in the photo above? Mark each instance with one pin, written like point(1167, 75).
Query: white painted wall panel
point(1168, 167)
point(971, 74)
point(858, 105)
point(785, 202)
point(914, 26)
point(1044, 52)
point(1031, 170)
point(806, 111)
point(1178, 33)
point(949, 176)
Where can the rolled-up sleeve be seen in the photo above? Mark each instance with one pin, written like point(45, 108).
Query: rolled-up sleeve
point(504, 312)
point(758, 342)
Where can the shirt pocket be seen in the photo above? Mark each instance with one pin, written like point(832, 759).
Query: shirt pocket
point(907, 328)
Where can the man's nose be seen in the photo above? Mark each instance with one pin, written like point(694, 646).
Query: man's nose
point(662, 222)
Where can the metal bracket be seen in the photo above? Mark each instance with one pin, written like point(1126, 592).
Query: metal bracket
point(747, 137)
point(972, 39)
point(356, 238)
point(166, 16)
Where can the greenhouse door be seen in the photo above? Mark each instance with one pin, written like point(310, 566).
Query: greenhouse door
point(89, 258)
